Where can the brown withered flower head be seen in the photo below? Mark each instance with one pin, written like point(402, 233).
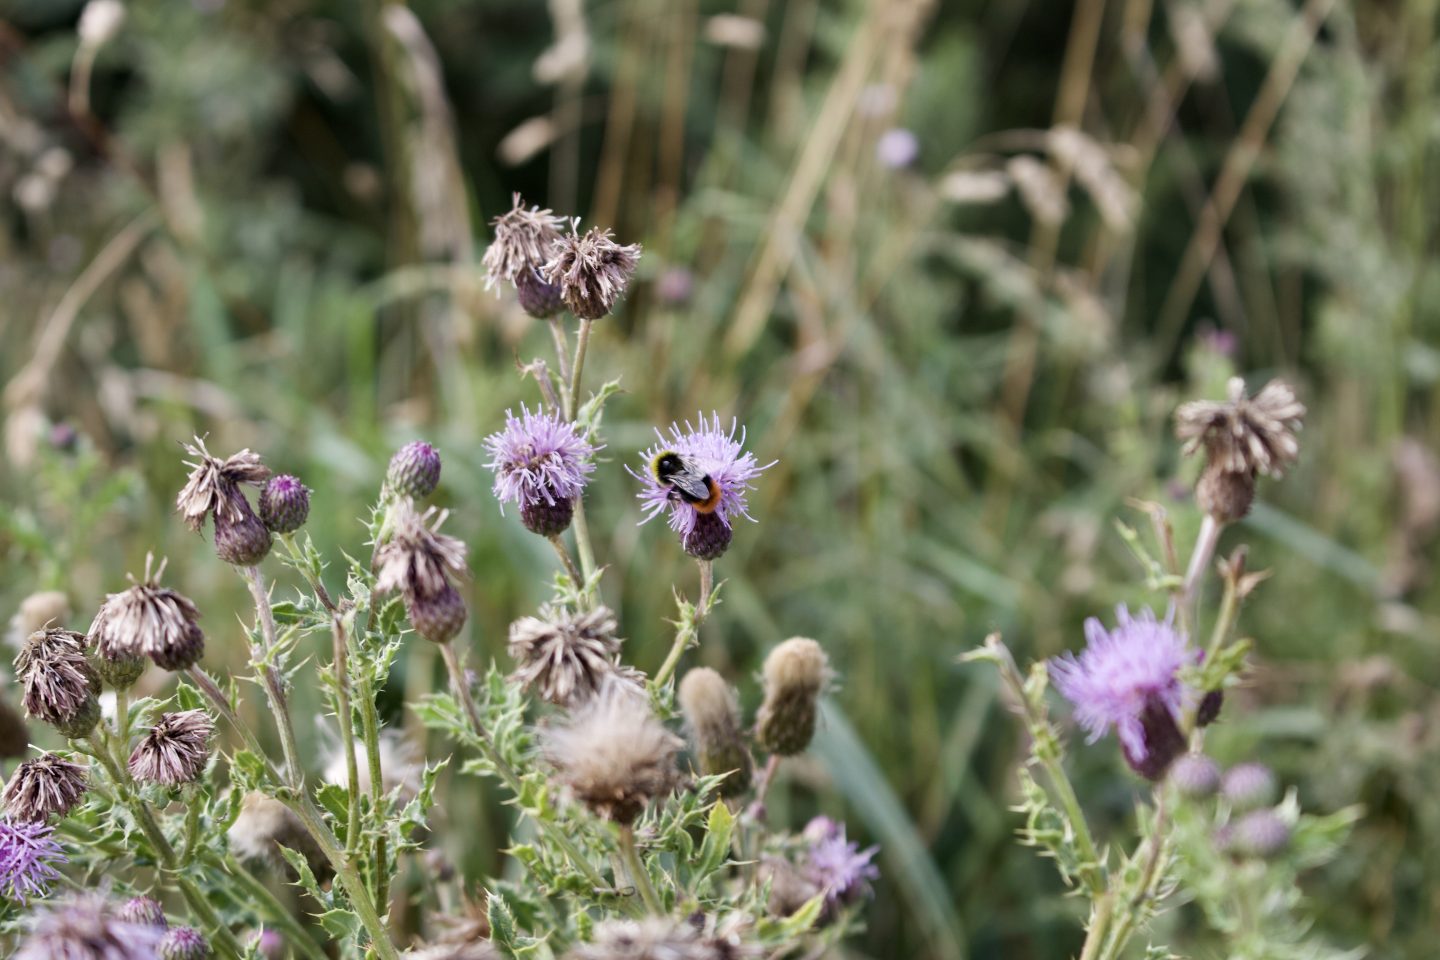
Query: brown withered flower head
point(524, 239)
point(613, 754)
point(59, 685)
point(591, 270)
point(795, 673)
point(151, 620)
point(419, 561)
point(47, 786)
point(214, 484)
point(712, 717)
point(661, 938)
point(1244, 434)
point(176, 749)
point(563, 655)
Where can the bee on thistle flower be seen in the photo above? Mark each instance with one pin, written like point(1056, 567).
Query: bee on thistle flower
point(701, 476)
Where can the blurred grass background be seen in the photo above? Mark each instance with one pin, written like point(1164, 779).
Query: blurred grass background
point(953, 263)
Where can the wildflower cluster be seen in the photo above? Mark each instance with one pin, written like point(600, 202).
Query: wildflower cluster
point(1217, 834)
point(639, 842)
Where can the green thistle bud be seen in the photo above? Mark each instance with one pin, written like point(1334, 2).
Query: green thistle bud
point(414, 470)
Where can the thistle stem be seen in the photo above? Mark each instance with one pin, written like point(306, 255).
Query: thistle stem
point(562, 358)
point(582, 344)
point(687, 632)
point(370, 730)
point(271, 907)
point(270, 679)
point(1155, 844)
point(1205, 544)
point(582, 547)
point(564, 554)
point(638, 874)
point(299, 562)
point(347, 734)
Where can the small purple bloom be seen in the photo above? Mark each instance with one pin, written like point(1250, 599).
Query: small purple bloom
point(836, 865)
point(1129, 678)
point(538, 457)
point(414, 470)
point(897, 148)
point(714, 451)
point(89, 926)
point(28, 856)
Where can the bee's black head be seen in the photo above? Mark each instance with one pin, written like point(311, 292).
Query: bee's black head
point(667, 464)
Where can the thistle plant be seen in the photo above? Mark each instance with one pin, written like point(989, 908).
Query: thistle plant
point(1224, 840)
point(216, 834)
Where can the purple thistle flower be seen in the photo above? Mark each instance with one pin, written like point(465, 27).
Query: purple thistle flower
point(284, 504)
point(28, 856)
point(87, 926)
point(717, 453)
point(541, 462)
point(836, 865)
point(1129, 678)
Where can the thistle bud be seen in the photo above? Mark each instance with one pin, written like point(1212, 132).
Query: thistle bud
point(795, 672)
point(1260, 833)
point(539, 299)
point(284, 504)
point(1209, 709)
point(184, 943)
point(414, 470)
point(1248, 786)
point(708, 539)
point(1195, 775)
point(268, 943)
point(44, 787)
point(713, 718)
point(1224, 495)
point(118, 671)
point(241, 539)
point(146, 911)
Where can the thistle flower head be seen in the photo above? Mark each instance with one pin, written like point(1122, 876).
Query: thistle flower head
point(789, 889)
point(1247, 786)
point(48, 608)
point(47, 786)
point(472, 950)
point(402, 766)
point(717, 454)
point(565, 656)
point(418, 560)
point(836, 865)
point(523, 241)
point(414, 470)
point(29, 856)
point(1195, 775)
point(712, 715)
point(1243, 434)
point(542, 463)
point(151, 620)
point(795, 673)
point(591, 270)
point(657, 938)
point(88, 927)
point(184, 943)
point(146, 910)
point(284, 504)
point(263, 826)
point(214, 484)
point(1129, 678)
point(176, 749)
point(1260, 833)
point(58, 681)
point(613, 754)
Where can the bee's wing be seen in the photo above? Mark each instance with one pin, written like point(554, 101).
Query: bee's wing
point(692, 482)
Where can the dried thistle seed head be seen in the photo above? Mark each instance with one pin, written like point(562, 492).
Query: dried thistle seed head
point(592, 270)
point(538, 298)
point(523, 241)
point(613, 754)
point(143, 910)
point(175, 750)
point(184, 943)
point(60, 685)
point(657, 938)
point(1224, 495)
point(117, 672)
point(419, 561)
point(565, 656)
point(1244, 434)
point(44, 787)
point(29, 855)
point(284, 504)
point(241, 538)
point(795, 673)
point(712, 715)
point(263, 826)
point(48, 608)
point(87, 927)
point(789, 890)
point(472, 950)
point(414, 470)
point(1247, 786)
point(151, 620)
point(402, 766)
point(214, 484)
point(14, 734)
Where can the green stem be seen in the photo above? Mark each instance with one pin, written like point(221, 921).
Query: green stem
point(271, 907)
point(577, 369)
point(370, 730)
point(300, 562)
point(638, 874)
point(1099, 924)
point(192, 826)
point(564, 555)
point(562, 359)
point(270, 678)
point(1155, 845)
point(343, 713)
point(314, 823)
point(688, 630)
point(1205, 544)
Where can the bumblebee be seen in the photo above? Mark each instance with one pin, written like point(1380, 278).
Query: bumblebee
point(686, 481)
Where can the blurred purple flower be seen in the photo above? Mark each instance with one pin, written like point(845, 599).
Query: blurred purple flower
point(1129, 678)
point(28, 856)
point(836, 865)
point(897, 148)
